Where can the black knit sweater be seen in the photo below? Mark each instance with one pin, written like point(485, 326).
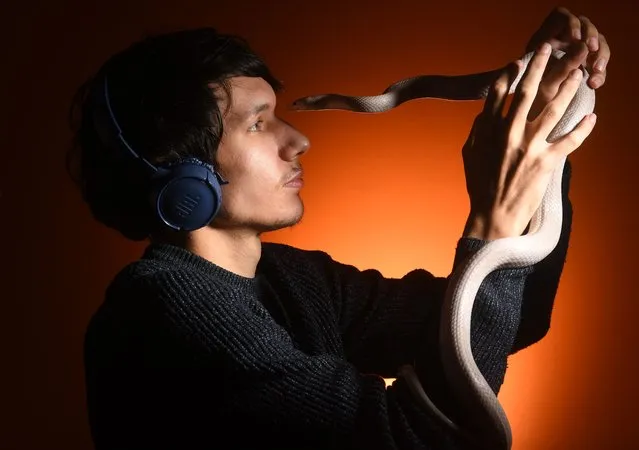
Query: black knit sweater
point(183, 354)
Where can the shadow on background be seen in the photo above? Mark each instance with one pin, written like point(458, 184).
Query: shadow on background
point(383, 191)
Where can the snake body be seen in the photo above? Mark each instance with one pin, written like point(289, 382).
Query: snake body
point(486, 423)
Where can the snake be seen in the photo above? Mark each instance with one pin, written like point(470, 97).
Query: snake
point(485, 424)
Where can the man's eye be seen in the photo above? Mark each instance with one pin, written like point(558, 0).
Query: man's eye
point(257, 126)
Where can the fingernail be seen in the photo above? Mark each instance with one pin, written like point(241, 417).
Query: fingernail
point(545, 48)
point(575, 74)
point(592, 44)
point(576, 33)
point(593, 117)
point(600, 65)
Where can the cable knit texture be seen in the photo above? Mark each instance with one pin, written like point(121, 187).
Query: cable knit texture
point(183, 354)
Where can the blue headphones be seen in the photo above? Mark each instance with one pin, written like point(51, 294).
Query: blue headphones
point(185, 195)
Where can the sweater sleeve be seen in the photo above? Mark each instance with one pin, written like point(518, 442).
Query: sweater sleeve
point(388, 322)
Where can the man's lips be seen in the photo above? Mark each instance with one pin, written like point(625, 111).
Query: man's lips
point(295, 180)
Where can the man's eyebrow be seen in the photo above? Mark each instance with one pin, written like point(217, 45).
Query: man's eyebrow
point(257, 109)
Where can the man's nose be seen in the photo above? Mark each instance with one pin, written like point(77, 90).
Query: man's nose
point(295, 143)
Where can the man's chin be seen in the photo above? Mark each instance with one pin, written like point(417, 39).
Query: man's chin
point(280, 224)
point(224, 221)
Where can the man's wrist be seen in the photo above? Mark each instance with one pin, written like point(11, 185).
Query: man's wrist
point(484, 227)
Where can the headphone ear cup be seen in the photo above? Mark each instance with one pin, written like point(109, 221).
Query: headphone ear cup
point(187, 196)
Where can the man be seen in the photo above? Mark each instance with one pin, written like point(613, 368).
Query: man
point(213, 339)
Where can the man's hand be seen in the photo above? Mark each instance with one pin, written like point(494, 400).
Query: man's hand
point(508, 161)
point(562, 29)
point(584, 45)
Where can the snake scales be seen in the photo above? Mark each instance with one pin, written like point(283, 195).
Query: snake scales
point(488, 425)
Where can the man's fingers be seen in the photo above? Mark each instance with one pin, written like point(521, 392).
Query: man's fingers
point(597, 63)
point(555, 109)
point(573, 140)
point(589, 34)
point(560, 28)
point(527, 89)
point(603, 55)
point(500, 88)
point(557, 72)
point(599, 52)
point(575, 56)
point(513, 72)
point(574, 24)
point(497, 89)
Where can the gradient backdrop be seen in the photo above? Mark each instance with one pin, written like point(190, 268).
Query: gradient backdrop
point(383, 191)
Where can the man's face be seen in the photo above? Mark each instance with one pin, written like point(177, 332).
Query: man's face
point(259, 157)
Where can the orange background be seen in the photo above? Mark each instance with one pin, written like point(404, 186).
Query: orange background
point(383, 191)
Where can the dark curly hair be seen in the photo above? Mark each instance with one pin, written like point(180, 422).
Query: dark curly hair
point(160, 90)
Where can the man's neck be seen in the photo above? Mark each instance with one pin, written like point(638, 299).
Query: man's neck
point(237, 252)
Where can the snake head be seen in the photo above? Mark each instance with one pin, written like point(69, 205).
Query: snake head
point(304, 103)
point(312, 103)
